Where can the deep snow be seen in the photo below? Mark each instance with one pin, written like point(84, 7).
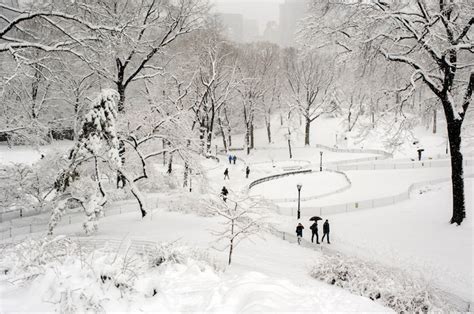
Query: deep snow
point(273, 275)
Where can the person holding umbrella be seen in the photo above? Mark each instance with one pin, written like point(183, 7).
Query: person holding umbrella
point(314, 229)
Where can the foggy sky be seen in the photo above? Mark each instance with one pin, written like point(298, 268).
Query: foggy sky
point(260, 10)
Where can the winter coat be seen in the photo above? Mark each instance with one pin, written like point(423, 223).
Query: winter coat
point(247, 170)
point(226, 172)
point(326, 227)
point(224, 191)
point(314, 227)
point(299, 231)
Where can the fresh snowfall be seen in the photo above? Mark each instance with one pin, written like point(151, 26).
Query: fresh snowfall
point(154, 160)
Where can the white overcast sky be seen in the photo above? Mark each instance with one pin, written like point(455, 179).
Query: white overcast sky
point(260, 10)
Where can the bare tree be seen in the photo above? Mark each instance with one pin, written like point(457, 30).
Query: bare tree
point(213, 87)
point(308, 79)
point(433, 39)
point(241, 221)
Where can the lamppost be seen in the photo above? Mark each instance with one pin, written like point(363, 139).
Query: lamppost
point(320, 161)
point(299, 186)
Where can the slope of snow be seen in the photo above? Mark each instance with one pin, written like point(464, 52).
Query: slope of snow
point(266, 276)
point(414, 235)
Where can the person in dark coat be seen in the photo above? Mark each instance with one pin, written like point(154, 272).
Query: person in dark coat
point(299, 232)
point(314, 230)
point(234, 159)
point(224, 193)
point(226, 173)
point(230, 159)
point(326, 231)
point(247, 172)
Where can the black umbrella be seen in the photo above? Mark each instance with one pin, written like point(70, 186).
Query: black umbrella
point(315, 218)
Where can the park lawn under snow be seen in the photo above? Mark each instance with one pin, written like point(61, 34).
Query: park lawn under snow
point(315, 183)
point(413, 235)
point(272, 275)
point(267, 275)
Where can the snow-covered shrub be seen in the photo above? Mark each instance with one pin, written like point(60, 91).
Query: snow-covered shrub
point(193, 203)
point(170, 253)
point(73, 277)
point(388, 286)
point(29, 187)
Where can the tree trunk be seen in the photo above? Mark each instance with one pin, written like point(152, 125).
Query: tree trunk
point(307, 131)
point(163, 142)
point(121, 92)
point(229, 129)
point(170, 164)
point(269, 131)
point(349, 121)
point(457, 171)
point(247, 140)
point(252, 137)
point(185, 175)
point(231, 247)
point(289, 148)
point(434, 120)
point(221, 127)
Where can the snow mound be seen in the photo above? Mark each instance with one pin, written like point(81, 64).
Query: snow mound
point(388, 286)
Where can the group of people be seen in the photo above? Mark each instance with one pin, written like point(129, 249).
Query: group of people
point(314, 231)
point(226, 173)
point(232, 158)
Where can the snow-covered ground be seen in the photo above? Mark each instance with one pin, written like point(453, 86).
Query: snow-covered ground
point(268, 275)
point(28, 154)
point(272, 275)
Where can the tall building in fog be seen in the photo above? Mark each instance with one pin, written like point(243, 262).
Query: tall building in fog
point(251, 31)
point(272, 32)
point(291, 13)
point(233, 24)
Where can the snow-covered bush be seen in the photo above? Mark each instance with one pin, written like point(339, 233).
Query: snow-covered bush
point(73, 277)
point(29, 187)
point(388, 286)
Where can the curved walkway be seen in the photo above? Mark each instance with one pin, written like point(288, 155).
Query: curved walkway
point(345, 165)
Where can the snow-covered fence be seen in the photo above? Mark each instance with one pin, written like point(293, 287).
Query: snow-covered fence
point(382, 153)
point(433, 163)
point(34, 224)
point(363, 204)
point(277, 176)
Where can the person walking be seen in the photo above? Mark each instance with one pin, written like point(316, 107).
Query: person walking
point(226, 173)
point(314, 231)
point(230, 159)
point(234, 159)
point(326, 231)
point(247, 172)
point(224, 193)
point(299, 232)
point(419, 149)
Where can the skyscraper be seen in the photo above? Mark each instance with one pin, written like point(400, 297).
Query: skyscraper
point(291, 13)
point(233, 25)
